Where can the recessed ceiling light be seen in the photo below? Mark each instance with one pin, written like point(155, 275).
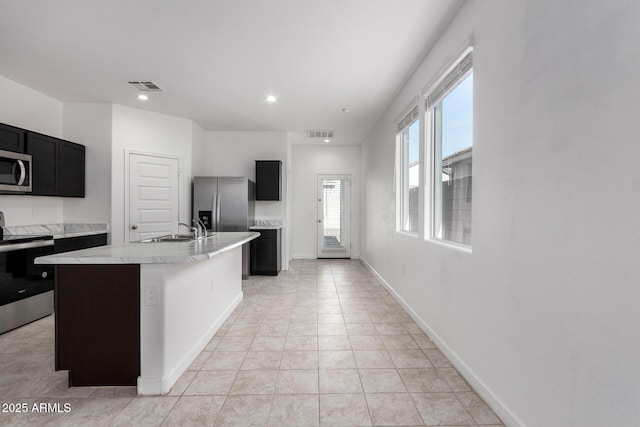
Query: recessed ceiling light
point(327, 140)
point(271, 99)
point(346, 110)
point(143, 97)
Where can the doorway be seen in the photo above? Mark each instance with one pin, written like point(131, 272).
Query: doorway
point(334, 216)
point(153, 199)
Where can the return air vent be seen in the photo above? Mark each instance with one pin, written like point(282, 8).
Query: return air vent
point(320, 134)
point(145, 86)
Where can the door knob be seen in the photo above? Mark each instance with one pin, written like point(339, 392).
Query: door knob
point(319, 220)
point(134, 227)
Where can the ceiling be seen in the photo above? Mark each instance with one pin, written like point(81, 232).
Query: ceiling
point(217, 60)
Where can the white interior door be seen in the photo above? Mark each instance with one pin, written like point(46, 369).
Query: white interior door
point(334, 216)
point(153, 196)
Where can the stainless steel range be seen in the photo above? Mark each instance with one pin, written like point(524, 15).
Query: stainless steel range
point(26, 289)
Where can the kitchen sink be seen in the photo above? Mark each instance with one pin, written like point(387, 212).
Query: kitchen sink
point(170, 238)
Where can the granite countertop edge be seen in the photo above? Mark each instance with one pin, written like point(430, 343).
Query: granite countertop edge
point(79, 234)
point(153, 253)
point(58, 231)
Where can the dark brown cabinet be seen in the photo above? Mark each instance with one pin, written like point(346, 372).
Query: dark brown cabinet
point(11, 138)
point(98, 324)
point(58, 166)
point(268, 180)
point(65, 244)
point(265, 253)
point(81, 298)
point(44, 164)
point(80, 242)
point(70, 169)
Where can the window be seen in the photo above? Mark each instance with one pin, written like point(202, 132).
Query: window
point(408, 138)
point(333, 215)
point(450, 111)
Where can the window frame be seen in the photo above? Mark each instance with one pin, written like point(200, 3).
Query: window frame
point(433, 150)
point(407, 120)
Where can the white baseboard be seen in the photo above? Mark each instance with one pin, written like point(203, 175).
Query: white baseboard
point(479, 386)
point(294, 257)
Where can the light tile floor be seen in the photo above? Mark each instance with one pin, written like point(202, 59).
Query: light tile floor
point(323, 344)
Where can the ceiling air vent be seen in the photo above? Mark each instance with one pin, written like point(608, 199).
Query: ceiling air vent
point(320, 134)
point(145, 86)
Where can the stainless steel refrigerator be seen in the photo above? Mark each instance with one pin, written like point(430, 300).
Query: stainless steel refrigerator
point(225, 204)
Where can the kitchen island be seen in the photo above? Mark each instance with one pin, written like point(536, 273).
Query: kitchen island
point(140, 313)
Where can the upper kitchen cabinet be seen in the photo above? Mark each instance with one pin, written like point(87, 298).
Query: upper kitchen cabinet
point(11, 138)
point(268, 180)
point(44, 164)
point(70, 169)
point(58, 166)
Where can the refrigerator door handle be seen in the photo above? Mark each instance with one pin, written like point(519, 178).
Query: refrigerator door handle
point(218, 208)
point(214, 209)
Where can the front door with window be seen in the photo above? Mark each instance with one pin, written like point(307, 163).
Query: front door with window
point(334, 216)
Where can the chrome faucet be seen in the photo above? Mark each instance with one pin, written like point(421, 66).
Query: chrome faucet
point(204, 227)
point(202, 230)
point(191, 229)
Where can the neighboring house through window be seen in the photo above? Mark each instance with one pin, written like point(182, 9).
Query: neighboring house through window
point(449, 106)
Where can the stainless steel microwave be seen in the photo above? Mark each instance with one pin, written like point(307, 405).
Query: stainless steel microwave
point(15, 172)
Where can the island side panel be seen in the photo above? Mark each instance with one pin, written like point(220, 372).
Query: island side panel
point(98, 323)
point(183, 306)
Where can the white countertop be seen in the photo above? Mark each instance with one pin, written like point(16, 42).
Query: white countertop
point(78, 234)
point(153, 252)
point(265, 227)
point(59, 231)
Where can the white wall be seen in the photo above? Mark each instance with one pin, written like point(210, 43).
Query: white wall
point(198, 150)
point(29, 109)
point(235, 153)
point(26, 108)
point(543, 316)
point(307, 162)
point(90, 125)
point(153, 133)
point(29, 210)
point(289, 172)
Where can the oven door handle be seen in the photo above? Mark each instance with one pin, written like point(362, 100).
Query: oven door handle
point(23, 172)
point(26, 245)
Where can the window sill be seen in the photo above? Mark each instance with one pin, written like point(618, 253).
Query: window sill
point(455, 246)
point(408, 234)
